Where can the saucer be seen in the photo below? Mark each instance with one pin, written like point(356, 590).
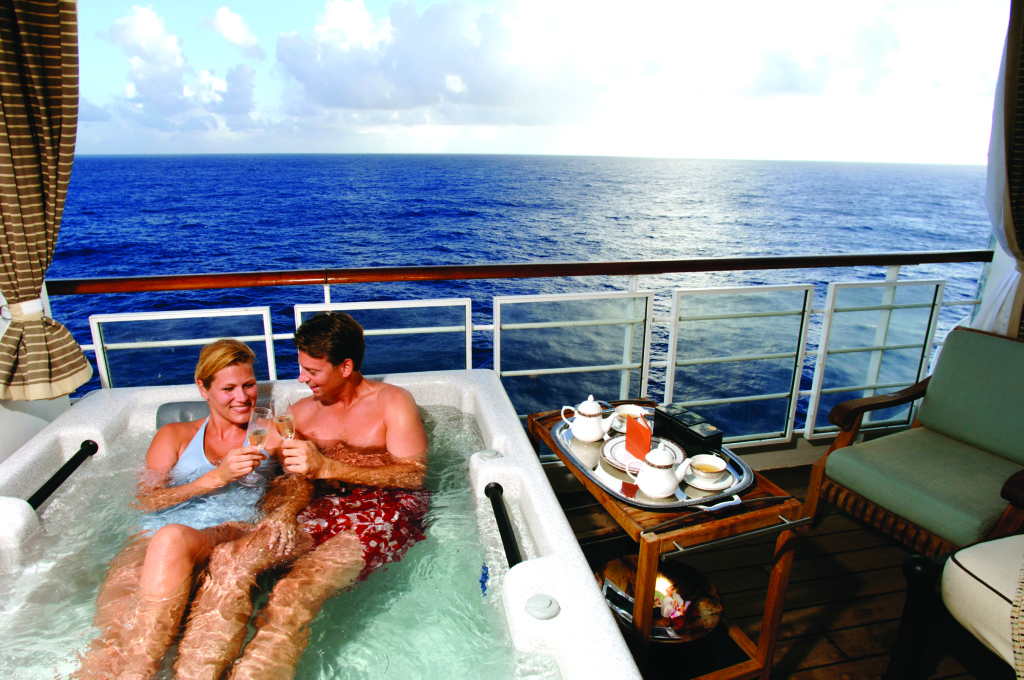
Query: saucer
point(696, 482)
point(615, 453)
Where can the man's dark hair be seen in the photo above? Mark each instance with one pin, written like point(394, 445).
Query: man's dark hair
point(334, 336)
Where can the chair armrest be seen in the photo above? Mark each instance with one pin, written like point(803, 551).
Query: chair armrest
point(847, 414)
point(1013, 489)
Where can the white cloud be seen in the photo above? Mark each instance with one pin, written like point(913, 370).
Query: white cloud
point(661, 77)
point(89, 112)
point(156, 63)
point(452, 64)
point(232, 27)
point(236, 101)
point(781, 74)
point(163, 92)
point(454, 84)
point(348, 24)
point(142, 34)
point(210, 89)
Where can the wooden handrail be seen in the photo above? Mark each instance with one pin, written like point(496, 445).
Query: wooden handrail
point(525, 270)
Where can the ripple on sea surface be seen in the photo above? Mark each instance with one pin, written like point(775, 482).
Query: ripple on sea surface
point(167, 215)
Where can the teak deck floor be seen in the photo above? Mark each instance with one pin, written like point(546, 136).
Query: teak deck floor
point(843, 606)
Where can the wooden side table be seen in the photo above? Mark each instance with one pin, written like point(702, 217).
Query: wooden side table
point(765, 509)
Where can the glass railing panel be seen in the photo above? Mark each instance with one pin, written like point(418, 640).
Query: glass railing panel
point(161, 348)
point(555, 350)
point(876, 339)
point(405, 336)
point(735, 356)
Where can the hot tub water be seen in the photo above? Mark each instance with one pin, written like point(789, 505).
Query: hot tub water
point(424, 616)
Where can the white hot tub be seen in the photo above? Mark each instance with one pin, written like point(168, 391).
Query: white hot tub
point(581, 641)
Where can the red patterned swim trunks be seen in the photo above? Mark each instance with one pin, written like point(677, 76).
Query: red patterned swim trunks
point(387, 521)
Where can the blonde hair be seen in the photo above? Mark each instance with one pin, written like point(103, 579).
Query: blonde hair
point(219, 355)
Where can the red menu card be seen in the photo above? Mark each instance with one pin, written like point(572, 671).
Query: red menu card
point(638, 437)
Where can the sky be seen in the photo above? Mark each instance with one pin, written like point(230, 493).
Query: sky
point(909, 81)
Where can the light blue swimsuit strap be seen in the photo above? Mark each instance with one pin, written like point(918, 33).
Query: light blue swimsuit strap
point(193, 462)
point(232, 502)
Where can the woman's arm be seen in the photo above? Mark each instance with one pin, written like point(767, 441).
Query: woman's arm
point(164, 451)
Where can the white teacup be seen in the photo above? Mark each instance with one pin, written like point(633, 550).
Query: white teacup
point(707, 467)
point(623, 411)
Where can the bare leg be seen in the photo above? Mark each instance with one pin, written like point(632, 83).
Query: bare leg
point(115, 600)
point(151, 630)
point(283, 627)
point(141, 602)
point(222, 607)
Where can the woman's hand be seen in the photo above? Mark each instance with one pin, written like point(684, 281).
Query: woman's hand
point(237, 463)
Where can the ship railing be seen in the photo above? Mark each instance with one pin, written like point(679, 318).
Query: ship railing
point(652, 356)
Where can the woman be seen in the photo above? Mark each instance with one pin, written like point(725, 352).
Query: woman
point(188, 487)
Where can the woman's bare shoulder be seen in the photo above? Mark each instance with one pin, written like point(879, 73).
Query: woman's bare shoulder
point(169, 441)
point(173, 431)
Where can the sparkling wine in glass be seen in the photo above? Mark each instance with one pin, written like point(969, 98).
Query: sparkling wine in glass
point(284, 421)
point(256, 435)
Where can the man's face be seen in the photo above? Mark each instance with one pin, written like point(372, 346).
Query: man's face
point(321, 376)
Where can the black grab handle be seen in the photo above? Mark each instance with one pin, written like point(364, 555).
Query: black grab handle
point(88, 448)
point(508, 536)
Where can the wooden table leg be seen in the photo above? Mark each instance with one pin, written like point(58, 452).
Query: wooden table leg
point(533, 430)
point(531, 435)
point(643, 597)
point(776, 598)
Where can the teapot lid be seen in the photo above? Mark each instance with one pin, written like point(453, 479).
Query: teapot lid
point(660, 456)
point(590, 407)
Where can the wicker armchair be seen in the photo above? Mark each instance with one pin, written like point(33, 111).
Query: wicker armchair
point(957, 476)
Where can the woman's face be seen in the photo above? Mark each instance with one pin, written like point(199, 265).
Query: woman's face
point(232, 393)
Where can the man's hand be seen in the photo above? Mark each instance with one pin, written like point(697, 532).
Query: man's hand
point(282, 535)
point(237, 463)
point(301, 457)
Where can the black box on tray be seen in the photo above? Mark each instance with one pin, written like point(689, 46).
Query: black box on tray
point(686, 428)
point(703, 438)
point(672, 420)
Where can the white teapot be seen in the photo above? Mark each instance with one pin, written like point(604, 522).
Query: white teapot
point(588, 425)
point(659, 476)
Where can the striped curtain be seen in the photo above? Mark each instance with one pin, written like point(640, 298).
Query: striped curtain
point(38, 119)
point(1001, 311)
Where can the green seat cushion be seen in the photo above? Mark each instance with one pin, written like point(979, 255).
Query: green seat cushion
point(976, 393)
point(939, 483)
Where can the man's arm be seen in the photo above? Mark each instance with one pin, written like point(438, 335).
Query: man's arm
point(302, 457)
point(404, 431)
point(285, 498)
point(405, 446)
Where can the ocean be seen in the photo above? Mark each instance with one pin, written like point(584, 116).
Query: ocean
point(169, 215)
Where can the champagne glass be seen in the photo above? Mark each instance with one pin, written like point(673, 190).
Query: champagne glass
point(284, 420)
point(259, 430)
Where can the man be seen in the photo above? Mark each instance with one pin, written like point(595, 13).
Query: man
point(364, 444)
